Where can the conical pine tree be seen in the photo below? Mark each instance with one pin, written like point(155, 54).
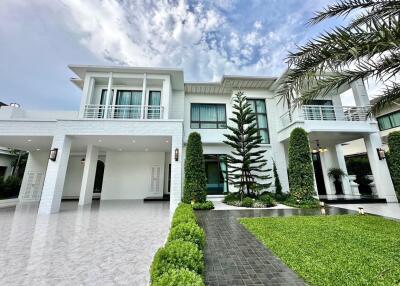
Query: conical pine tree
point(246, 163)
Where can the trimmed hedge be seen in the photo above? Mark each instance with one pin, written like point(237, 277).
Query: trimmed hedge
point(394, 159)
point(300, 171)
point(208, 205)
point(190, 232)
point(195, 182)
point(183, 214)
point(177, 255)
point(180, 261)
point(179, 277)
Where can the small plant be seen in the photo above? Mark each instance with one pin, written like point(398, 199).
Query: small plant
point(337, 174)
point(190, 232)
point(183, 214)
point(267, 200)
point(309, 203)
point(177, 255)
point(208, 205)
point(247, 202)
point(179, 277)
point(231, 197)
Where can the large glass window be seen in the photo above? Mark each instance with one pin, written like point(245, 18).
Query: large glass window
point(216, 174)
point(129, 102)
point(389, 121)
point(260, 111)
point(153, 111)
point(211, 116)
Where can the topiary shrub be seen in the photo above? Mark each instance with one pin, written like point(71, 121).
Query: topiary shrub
point(195, 182)
point(183, 214)
point(179, 277)
point(267, 200)
point(190, 232)
point(300, 171)
point(394, 159)
point(247, 202)
point(208, 205)
point(177, 255)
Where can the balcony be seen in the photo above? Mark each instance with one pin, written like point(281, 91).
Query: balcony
point(140, 112)
point(325, 113)
point(333, 123)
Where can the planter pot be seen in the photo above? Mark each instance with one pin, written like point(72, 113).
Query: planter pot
point(338, 187)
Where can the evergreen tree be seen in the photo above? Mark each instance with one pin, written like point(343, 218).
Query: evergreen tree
point(278, 186)
point(300, 171)
point(195, 183)
point(246, 162)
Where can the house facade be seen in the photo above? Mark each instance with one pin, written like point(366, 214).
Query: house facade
point(127, 140)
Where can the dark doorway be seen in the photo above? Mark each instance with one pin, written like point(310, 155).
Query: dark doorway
point(216, 182)
point(319, 176)
point(98, 180)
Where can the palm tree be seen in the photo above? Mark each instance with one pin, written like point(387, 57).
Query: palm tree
point(368, 47)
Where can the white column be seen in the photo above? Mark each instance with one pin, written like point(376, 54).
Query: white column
point(109, 95)
point(144, 87)
point(164, 105)
point(176, 173)
point(88, 86)
point(380, 170)
point(342, 165)
point(89, 174)
point(55, 176)
point(360, 93)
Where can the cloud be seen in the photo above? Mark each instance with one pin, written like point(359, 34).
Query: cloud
point(203, 38)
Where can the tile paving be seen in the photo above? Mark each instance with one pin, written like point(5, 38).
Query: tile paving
point(235, 257)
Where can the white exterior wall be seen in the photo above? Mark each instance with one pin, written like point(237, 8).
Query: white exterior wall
point(127, 175)
point(73, 179)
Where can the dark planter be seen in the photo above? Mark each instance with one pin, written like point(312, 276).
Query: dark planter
point(338, 187)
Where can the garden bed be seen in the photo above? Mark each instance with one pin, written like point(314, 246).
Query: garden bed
point(334, 250)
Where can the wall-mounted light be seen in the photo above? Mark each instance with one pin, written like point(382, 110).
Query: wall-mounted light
point(53, 154)
point(176, 154)
point(361, 211)
point(83, 161)
point(381, 153)
point(322, 204)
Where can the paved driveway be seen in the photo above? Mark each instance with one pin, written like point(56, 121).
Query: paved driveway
point(109, 243)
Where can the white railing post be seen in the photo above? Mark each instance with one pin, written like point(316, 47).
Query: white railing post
point(108, 97)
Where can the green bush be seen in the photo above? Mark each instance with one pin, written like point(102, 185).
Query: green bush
point(177, 255)
point(190, 232)
point(300, 171)
point(267, 200)
point(308, 203)
point(394, 159)
point(183, 214)
point(231, 197)
point(180, 277)
point(247, 202)
point(208, 205)
point(278, 186)
point(195, 182)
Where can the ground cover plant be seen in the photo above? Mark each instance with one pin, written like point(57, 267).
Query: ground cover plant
point(334, 250)
point(264, 200)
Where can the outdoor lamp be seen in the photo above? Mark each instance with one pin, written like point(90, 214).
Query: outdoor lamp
point(322, 204)
point(83, 161)
point(361, 211)
point(381, 153)
point(53, 154)
point(176, 154)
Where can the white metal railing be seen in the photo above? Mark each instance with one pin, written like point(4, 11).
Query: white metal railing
point(325, 113)
point(96, 111)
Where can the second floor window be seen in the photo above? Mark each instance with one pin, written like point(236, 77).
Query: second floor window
point(208, 116)
point(260, 111)
point(389, 121)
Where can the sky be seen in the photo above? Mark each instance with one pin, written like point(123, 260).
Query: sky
point(207, 39)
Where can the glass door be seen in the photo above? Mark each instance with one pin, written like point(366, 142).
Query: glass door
point(130, 101)
point(216, 174)
point(154, 110)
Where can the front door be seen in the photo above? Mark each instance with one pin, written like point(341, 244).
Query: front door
point(215, 167)
point(319, 175)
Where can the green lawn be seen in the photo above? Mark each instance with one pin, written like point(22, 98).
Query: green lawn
point(334, 250)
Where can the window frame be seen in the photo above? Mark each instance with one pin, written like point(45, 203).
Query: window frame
point(208, 122)
point(388, 115)
point(256, 113)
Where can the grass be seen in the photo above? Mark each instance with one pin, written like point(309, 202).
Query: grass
point(334, 250)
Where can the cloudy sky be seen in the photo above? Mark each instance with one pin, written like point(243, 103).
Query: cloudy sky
point(39, 38)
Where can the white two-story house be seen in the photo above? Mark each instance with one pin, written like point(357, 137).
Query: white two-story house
point(127, 140)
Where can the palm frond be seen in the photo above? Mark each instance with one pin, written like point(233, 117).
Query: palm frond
point(390, 94)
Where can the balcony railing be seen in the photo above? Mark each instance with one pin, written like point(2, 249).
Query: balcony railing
point(95, 111)
point(325, 113)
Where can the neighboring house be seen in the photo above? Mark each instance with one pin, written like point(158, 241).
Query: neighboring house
point(133, 124)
